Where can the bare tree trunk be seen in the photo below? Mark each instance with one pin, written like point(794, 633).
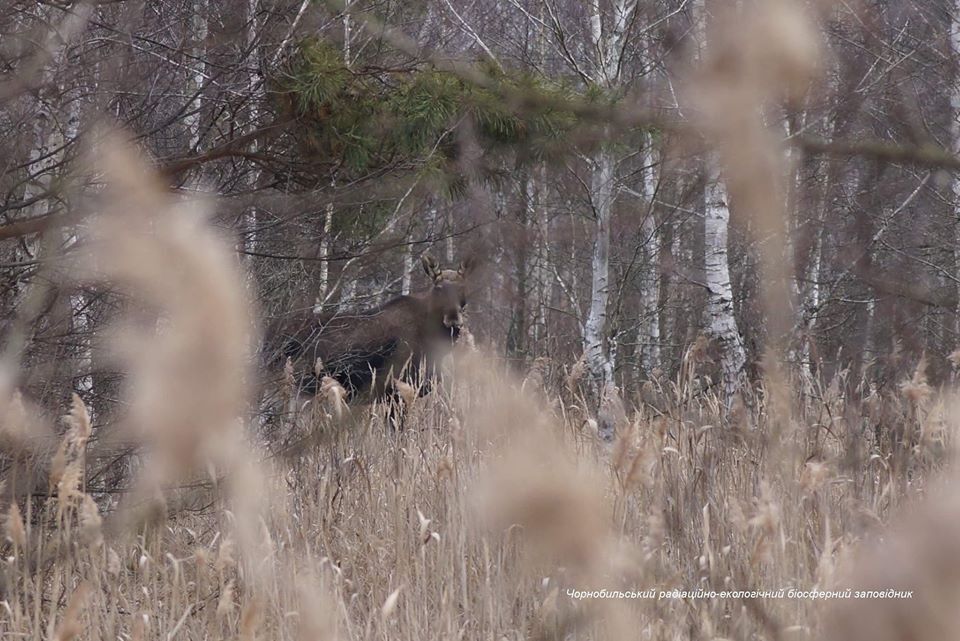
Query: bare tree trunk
point(347, 33)
point(810, 296)
point(55, 128)
point(198, 27)
point(668, 293)
point(955, 133)
point(721, 323)
point(518, 331)
point(325, 245)
point(407, 281)
point(48, 132)
point(537, 186)
point(256, 90)
point(451, 249)
point(406, 278)
point(324, 276)
point(869, 338)
point(648, 332)
point(594, 329)
point(540, 290)
point(607, 40)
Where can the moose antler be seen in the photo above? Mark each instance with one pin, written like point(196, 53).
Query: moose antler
point(431, 267)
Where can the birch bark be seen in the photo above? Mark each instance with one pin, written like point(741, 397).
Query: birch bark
point(955, 141)
point(594, 329)
point(720, 322)
point(607, 40)
point(541, 259)
point(721, 325)
point(255, 88)
point(324, 284)
point(198, 28)
point(648, 332)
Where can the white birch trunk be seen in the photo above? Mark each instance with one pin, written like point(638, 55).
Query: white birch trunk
point(668, 330)
point(721, 324)
point(869, 341)
point(53, 131)
point(540, 287)
point(540, 237)
point(648, 342)
point(607, 43)
point(543, 283)
point(810, 298)
point(80, 315)
point(791, 222)
point(325, 245)
point(47, 134)
point(256, 90)
point(793, 226)
point(347, 33)
point(955, 131)
point(810, 289)
point(324, 283)
point(407, 280)
point(648, 327)
point(451, 250)
point(594, 329)
point(198, 27)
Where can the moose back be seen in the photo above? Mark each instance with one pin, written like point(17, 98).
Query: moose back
point(403, 339)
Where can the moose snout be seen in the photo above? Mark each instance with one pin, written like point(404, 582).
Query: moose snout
point(453, 322)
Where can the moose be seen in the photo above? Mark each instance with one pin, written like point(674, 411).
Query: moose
point(403, 339)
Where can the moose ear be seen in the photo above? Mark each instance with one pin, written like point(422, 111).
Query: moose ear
point(431, 267)
point(467, 265)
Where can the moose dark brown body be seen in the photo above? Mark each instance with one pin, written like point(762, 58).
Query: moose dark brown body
point(403, 339)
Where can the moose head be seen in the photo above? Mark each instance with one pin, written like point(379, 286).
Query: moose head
point(448, 297)
point(402, 339)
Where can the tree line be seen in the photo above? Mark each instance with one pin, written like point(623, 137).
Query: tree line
point(560, 142)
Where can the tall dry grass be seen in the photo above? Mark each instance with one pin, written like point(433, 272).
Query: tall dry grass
point(475, 521)
point(478, 521)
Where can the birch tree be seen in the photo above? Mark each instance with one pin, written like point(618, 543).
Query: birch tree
point(648, 327)
point(721, 325)
point(329, 210)
point(198, 33)
point(720, 322)
point(955, 142)
point(607, 35)
point(197, 84)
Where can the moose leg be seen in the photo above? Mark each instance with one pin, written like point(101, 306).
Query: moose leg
point(423, 377)
point(397, 394)
point(396, 411)
point(425, 386)
point(430, 380)
point(401, 391)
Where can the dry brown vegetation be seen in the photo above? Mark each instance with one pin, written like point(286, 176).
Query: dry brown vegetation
point(496, 503)
point(474, 522)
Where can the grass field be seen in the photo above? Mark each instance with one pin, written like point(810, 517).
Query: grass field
point(483, 519)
